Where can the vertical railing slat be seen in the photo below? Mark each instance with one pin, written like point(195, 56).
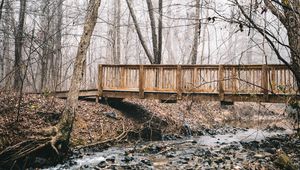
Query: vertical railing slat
point(221, 82)
point(141, 82)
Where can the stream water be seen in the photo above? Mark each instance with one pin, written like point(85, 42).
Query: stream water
point(227, 148)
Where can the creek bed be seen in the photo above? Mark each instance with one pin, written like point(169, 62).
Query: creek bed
point(225, 148)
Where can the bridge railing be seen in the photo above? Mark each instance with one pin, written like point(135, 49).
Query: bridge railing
point(221, 79)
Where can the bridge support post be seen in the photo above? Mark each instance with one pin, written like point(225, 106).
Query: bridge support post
point(141, 82)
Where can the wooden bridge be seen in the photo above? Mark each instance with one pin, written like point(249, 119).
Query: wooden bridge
point(247, 83)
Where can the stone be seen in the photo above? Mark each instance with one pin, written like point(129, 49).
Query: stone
point(147, 162)
point(102, 164)
point(111, 159)
point(170, 155)
point(128, 159)
point(111, 115)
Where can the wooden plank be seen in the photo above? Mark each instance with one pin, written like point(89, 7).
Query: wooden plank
point(100, 80)
point(160, 80)
point(141, 82)
point(194, 79)
point(221, 82)
point(123, 78)
point(264, 79)
point(179, 82)
point(234, 81)
point(273, 81)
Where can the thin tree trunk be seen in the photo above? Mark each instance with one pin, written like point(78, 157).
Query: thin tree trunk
point(116, 33)
point(138, 30)
point(126, 49)
point(44, 59)
point(160, 27)
point(57, 45)
point(153, 31)
point(18, 46)
point(68, 115)
point(6, 44)
point(1, 8)
point(194, 51)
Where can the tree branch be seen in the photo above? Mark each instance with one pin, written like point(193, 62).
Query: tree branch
point(275, 11)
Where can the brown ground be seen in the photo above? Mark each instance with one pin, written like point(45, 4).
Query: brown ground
point(93, 125)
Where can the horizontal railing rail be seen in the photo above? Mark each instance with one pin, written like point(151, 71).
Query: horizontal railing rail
point(208, 79)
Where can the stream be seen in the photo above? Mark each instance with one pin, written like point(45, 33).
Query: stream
point(224, 148)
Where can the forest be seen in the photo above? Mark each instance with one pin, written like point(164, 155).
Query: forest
point(124, 84)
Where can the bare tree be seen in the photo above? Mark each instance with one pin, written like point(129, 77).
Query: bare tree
point(160, 28)
point(287, 12)
point(138, 30)
point(65, 124)
point(57, 71)
point(116, 33)
point(153, 31)
point(154, 58)
point(19, 33)
point(194, 51)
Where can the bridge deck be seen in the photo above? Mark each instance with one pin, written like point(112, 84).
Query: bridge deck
point(248, 83)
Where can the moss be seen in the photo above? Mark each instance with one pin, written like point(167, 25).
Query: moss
point(284, 162)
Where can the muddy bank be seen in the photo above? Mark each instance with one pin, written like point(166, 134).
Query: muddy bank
point(227, 148)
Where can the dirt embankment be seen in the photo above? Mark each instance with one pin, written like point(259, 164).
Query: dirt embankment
point(147, 119)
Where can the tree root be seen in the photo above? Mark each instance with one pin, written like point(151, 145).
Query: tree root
point(11, 155)
point(21, 150)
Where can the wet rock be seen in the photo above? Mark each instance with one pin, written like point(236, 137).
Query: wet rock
point(270, 150)
point(128, 159)
point(102, 164)
point(259, 156)
point(111, 159)
point(72, 163)
point(170, 155)
point(227, 157)
point(211, 132)
point(111, 115)
point(274, 128)
point(147, 162)
point(253, 145)
point(182, 162)
point(40, 161)
point(275, 143)
point(153, 149)
point(219, 161)
point(151, 134)
point(200, 133)
point(85, 167)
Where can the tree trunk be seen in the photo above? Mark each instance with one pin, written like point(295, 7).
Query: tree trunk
point(138, 30)
point(57, 72)
point(293, 25)
point(1, 8)
point(6, 45)
point(153, 31)
point(116, 33)
point(65, 124)
point(289, 16)
point(194, 51)
point(160, 27)
point(19, 33)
